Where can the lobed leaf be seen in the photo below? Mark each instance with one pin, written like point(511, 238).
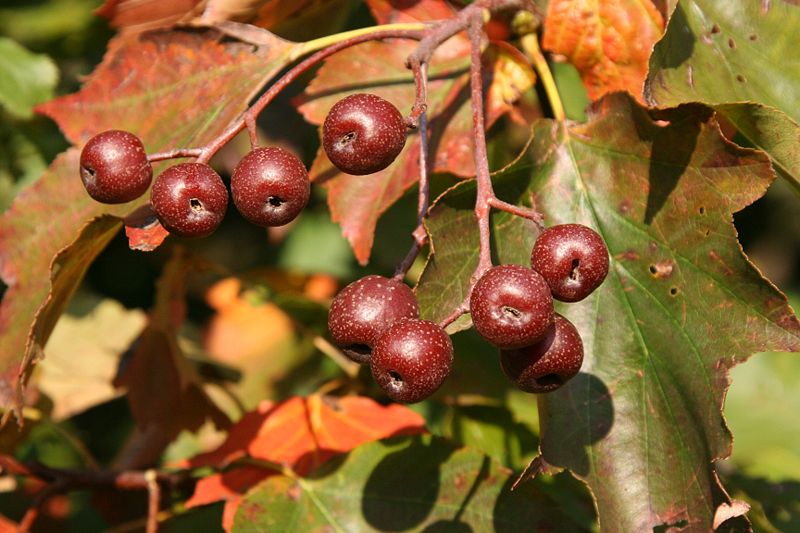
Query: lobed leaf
point(173, 89)
point(420, 483)
point(608, 41)
point(301, 433)
point(641, 424)
point(740, 57)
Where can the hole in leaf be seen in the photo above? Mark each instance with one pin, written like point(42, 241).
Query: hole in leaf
point(731, 44)
point(511, 311)
point(347, 138)
point(275, 201)
point(397, 378)
point(708, 232)
point(196, 205)
point(702, 210)
point(653, 269)
point(573, 274)
point(715, 28)
point(550, 380)
point(673, 291)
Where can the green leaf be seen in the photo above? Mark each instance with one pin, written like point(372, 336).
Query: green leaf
point(680, 306)
point(420, 483)
point(740, 57)
point(185, 98)
point(26, 79)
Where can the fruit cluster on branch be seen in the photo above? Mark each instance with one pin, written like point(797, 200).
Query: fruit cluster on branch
point(375, 320)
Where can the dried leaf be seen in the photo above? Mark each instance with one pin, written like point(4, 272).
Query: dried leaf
point(608, 41)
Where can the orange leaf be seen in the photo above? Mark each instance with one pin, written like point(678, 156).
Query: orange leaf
point(301, 433)
point(608, 41)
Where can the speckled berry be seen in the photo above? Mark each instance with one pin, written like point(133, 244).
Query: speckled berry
point(189, 199)
point(114, 167)
point(412, 358)
point(549, 363)
point(270, 186)
point(364, 309)
point(363, 133)
point(572, 258)
point(511, 306)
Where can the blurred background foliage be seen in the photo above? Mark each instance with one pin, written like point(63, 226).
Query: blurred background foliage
point(284, 279)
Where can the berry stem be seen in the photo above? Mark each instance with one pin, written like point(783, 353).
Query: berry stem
point(174, 154)
point(423, 199)
point(530, 45)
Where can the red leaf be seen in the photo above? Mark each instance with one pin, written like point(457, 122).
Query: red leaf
point(357, 202)
point(608, 41)
point(143, 85)
point(301, 433)
point(145, 233)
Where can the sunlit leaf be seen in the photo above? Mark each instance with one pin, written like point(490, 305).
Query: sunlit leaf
point(608, 41)
point(681, 305)
point(26, 79)
point(740, 57)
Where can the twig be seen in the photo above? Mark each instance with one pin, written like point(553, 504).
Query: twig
point(423, 197)
point(530, 45)
point(248, 118)
point(153, 499)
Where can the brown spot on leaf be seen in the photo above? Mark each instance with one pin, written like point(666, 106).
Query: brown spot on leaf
point(625, 206)
point(731, 44)
point(715, 28)
point(740, 78)
point(662, 269)
point(717, 258)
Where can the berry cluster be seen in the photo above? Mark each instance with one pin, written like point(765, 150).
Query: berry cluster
point(375, 320)
point(270, 186)
point(362, 134)
point(512, 306)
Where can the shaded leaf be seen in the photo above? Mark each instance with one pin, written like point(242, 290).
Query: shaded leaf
point(83, 353)
point(301, 433)
point(608, 41)
point(739, 57)
point(680, 306)
point(190, 85)
point(164, 392)
point(26, 79)
point(420, 484)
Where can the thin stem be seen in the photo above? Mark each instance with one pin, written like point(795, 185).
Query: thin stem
point(522, 212)
point(153, 499)
point(482, 176)
point(249, 116)
point(530, 45)
point(309, 47)
point(172, 154)
point(423, 197)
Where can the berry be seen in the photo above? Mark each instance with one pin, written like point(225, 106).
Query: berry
point(114, 167)
point(189, 199)
point(549, 363)
point(572, 258)
point(411, 360)
point(270, 186)
point(364, 309)
point(511, 306)
point(363, 133)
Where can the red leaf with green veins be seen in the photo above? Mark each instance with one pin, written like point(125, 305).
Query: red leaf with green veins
point(641, 424)
point(173, 89)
